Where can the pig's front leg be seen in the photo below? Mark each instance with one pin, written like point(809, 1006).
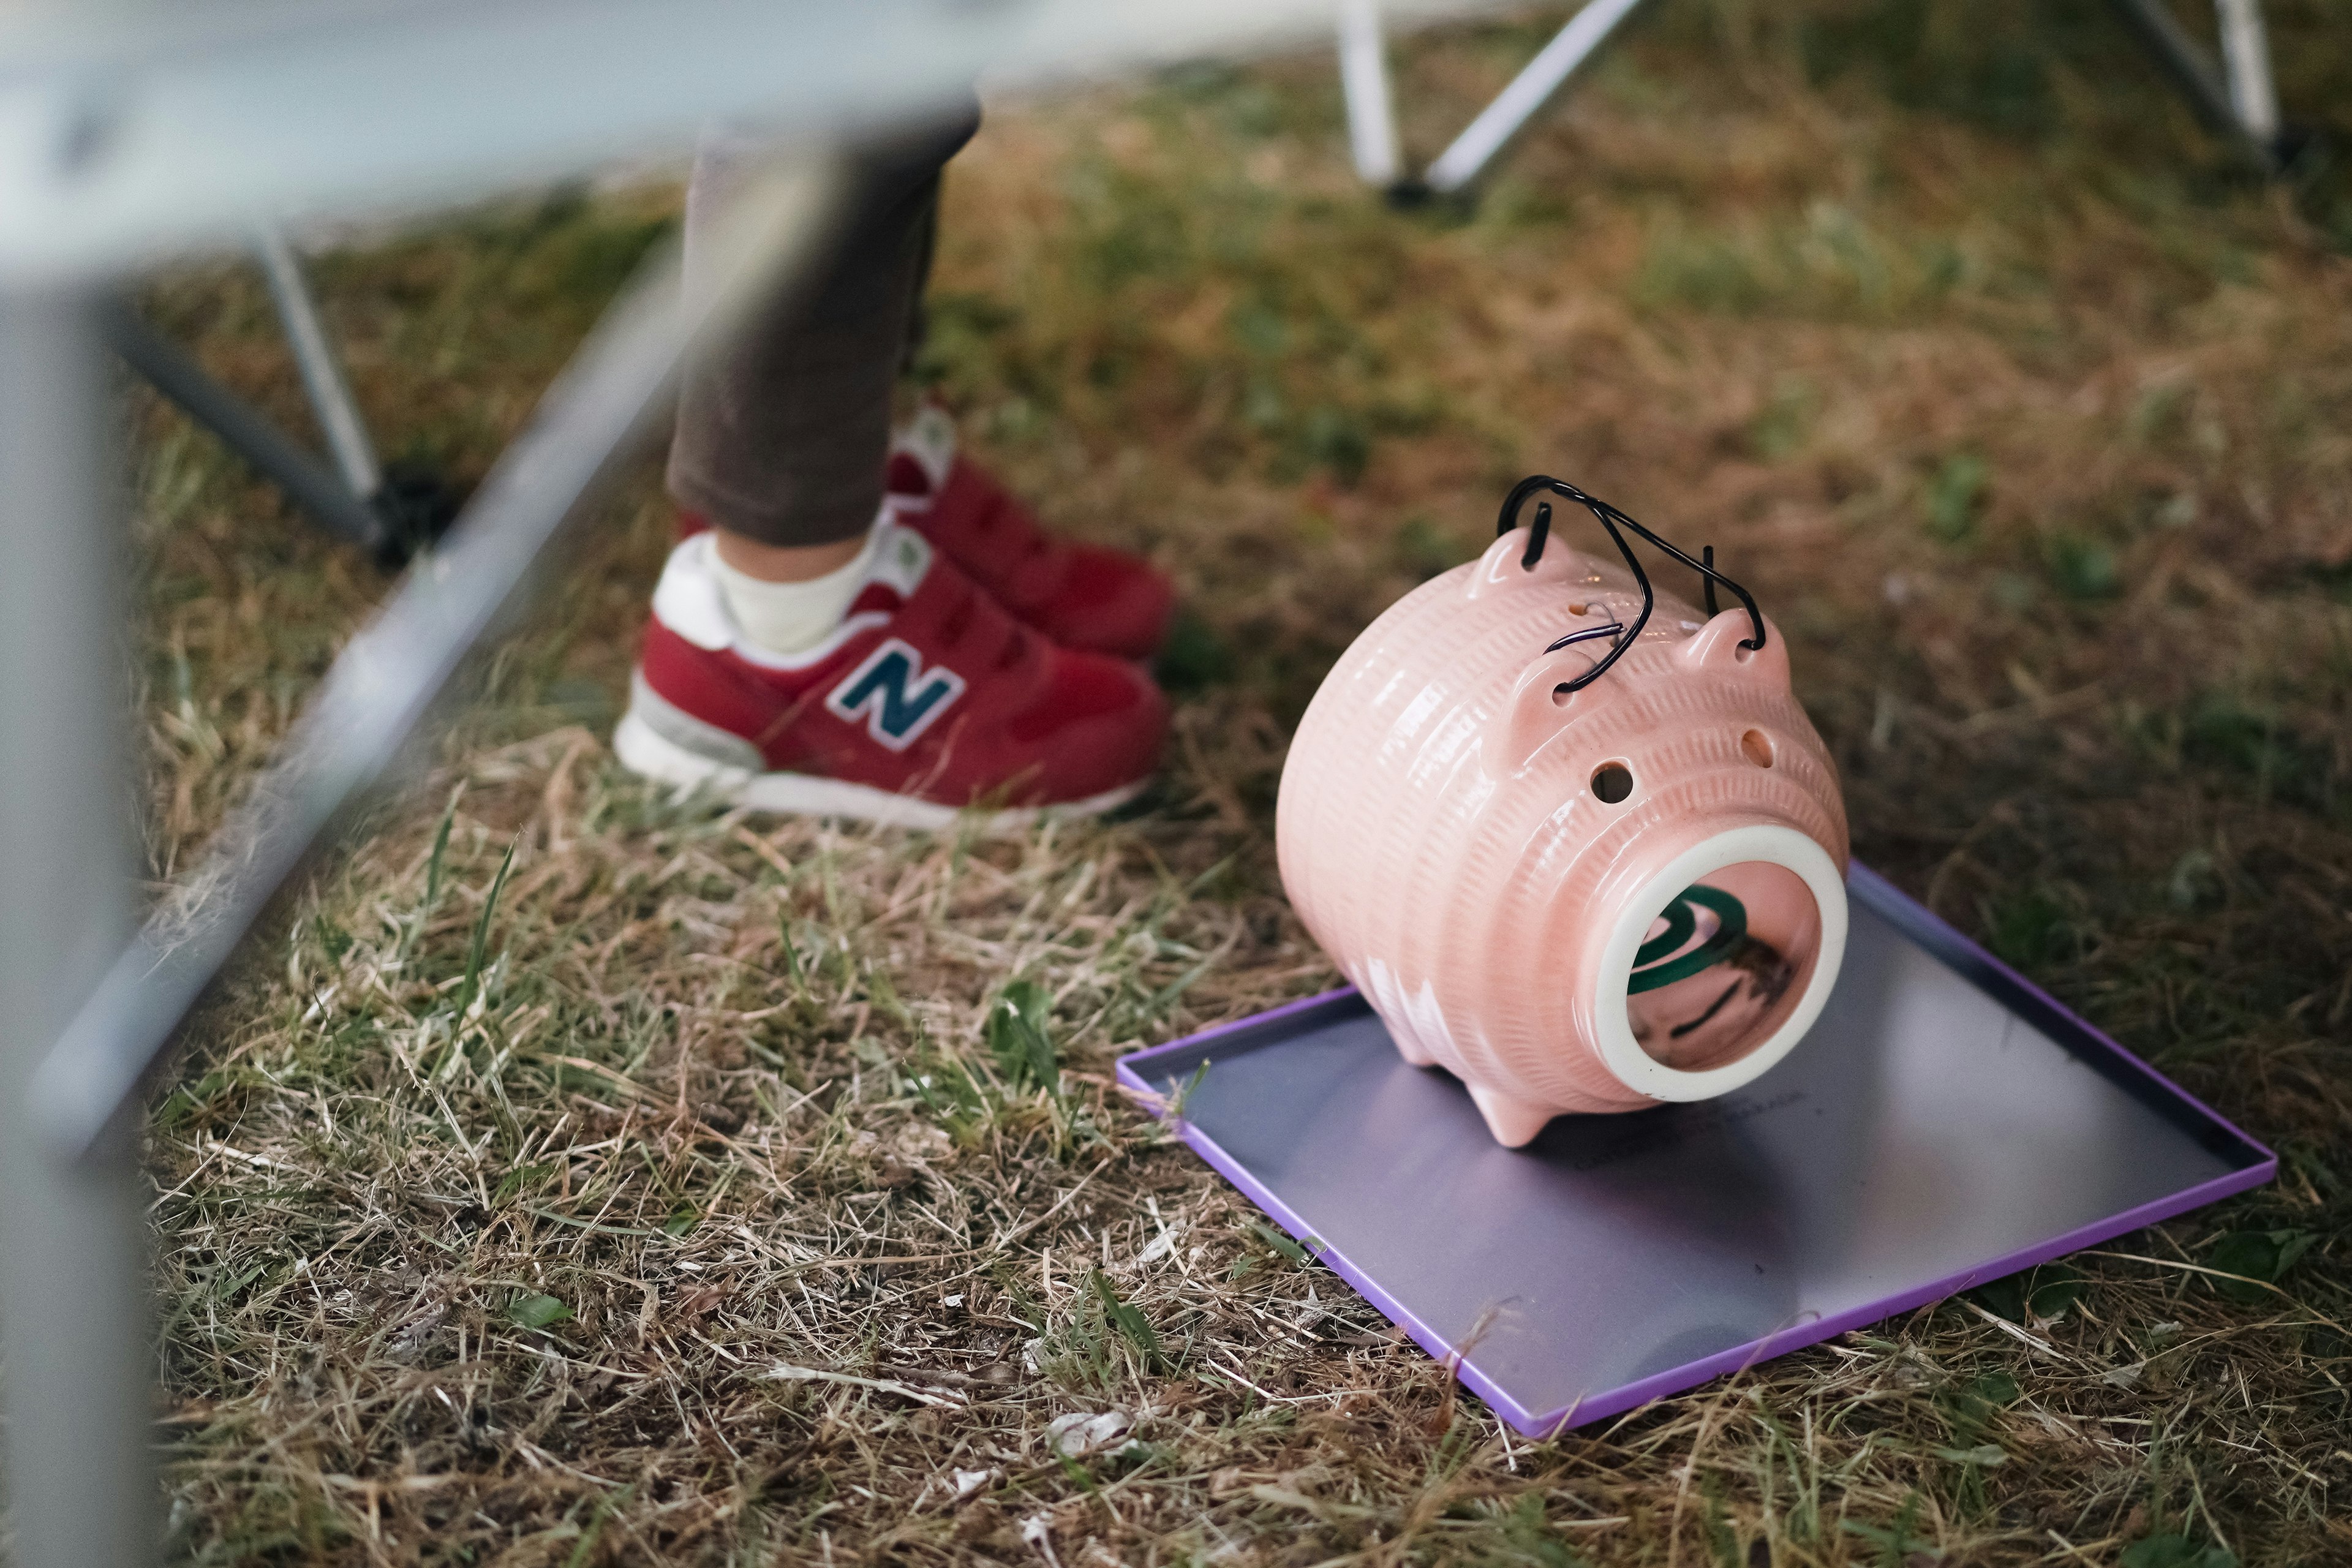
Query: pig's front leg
point(1410, 1051)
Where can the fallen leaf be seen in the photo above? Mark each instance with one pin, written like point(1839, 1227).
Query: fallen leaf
point(538, 1312)
point(1080, 1433)
point(1037, 1531)
point(699, 1305)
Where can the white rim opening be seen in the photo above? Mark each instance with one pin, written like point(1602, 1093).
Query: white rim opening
point(1759, 844)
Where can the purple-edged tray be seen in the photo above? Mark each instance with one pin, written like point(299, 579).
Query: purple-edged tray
point(1944, 1124)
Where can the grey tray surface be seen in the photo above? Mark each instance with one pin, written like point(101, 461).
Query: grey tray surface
point(1943, 1123)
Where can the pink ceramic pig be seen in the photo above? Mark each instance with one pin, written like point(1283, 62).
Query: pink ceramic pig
point(1544, 891)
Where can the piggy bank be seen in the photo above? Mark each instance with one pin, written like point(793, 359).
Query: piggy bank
point(1576, 892)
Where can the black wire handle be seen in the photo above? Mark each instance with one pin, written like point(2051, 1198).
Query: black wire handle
point(1610, 517)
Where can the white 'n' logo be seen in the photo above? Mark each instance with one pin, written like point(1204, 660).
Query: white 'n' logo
point(898, 696)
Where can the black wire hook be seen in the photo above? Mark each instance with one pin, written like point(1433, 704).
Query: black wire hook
point(1622, 636)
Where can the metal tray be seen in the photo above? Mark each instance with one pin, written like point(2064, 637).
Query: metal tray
point(1944, 1124)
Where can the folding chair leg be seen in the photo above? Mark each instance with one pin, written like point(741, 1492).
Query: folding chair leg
point(391, 512)
point(322, 372)
point(2244, 105)
point(309, 484)
point(1527, 93)
point(1364, 81)
point(2246, 59)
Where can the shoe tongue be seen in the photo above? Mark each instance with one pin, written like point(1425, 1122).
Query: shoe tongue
point(928, 442)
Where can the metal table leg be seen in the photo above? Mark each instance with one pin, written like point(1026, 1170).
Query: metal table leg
point(1364, 83)
point(78, 1363)
point(1371, 115)
point(385, 682)
point(389, 512)
point(413, 505)
point(2238, 101)
point(2246, 59)
point(308, 483)
point(322, 372)
point(2182, 60)
point(1528, 92)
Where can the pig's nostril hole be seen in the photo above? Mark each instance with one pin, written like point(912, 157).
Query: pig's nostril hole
point(1612, 782)
point(1757, 746)
point(1561, 694)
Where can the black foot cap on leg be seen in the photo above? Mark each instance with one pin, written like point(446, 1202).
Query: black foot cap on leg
point(417, 505)
point(2300, 152)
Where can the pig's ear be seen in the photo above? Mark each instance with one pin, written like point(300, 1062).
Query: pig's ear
point(1503, 569)
point(1538, 706)
point(1713, 650)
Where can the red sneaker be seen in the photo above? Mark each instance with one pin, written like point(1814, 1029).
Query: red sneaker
point(929, 701)
point(1081, 595)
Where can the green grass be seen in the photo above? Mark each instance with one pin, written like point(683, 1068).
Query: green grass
point(595, 1186)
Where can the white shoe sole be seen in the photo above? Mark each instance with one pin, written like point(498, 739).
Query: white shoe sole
point(646, 752)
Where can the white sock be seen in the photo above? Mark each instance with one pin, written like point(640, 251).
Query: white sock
point(790, 617)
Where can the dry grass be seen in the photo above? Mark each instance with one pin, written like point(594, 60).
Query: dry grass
point(663, 1202)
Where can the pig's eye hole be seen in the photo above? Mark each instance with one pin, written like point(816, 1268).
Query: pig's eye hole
point(1757, 746)
point(1612, 782)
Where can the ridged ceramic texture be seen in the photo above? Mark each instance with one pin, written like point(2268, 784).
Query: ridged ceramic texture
point(1440, 834)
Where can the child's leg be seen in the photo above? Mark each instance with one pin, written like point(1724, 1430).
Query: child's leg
point(806, 653)
point(783, 435)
